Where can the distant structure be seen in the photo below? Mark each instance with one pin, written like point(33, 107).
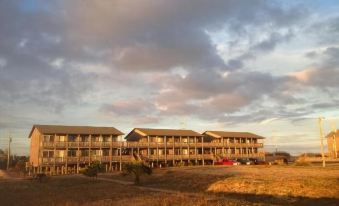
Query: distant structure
point(67, 149)
point(333, 144)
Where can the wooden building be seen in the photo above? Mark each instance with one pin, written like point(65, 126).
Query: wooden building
point(168, 147)
point(235, 144)
point(333, 144)
point(67, 149)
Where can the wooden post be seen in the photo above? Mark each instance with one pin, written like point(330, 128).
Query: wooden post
point(54, 151)
point(235, 147)
point(120, 165)
point(148, 147)
point(165, 150)
point(66, 162)
point(180, 149)
point(202, 149)
point(89, 149)
point(195, 150)
point(100, 147)
point(321, 140)
point(223, 147)
point(78, 154)
point(110, 153)
point(157, 150)
point(173, 155)
point(189, 149)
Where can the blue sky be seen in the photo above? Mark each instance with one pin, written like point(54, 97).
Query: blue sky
point(268, 67)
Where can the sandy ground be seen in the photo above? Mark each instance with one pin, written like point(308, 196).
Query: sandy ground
point(213, 185)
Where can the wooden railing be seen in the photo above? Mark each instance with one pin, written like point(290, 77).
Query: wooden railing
point(129, 158)
point(169, 145)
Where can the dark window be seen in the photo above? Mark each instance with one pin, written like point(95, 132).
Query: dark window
point(72, 138)
point(105, 152)
point(48, 153)
point(84, 152)
point(72, 153)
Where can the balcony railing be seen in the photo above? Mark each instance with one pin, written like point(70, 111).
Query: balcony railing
point(129, 158)
point(150, 144)
point(84, 144)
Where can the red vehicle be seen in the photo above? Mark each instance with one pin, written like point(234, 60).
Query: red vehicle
point(225, 162)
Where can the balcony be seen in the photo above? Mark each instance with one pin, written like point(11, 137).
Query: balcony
point(48, 144)
point(124, 158)
point(84, 144)
point(73, 144)
point(72, 160)
point(150, 144)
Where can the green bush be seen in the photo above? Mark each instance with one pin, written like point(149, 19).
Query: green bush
point(92, 170)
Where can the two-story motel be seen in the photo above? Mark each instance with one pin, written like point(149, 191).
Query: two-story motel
point(66, 149)
point(333, 143)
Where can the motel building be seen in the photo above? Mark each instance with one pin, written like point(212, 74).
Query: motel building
point(333, 144)
point(67, 149)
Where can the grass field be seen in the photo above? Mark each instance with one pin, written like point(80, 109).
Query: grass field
point(218, 185)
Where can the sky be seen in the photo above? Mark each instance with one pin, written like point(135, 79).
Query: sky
point(267, 67)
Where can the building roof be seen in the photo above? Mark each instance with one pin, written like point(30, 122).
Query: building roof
point(164, 132)
point(332, 133)
point(219, 134)
point(61, 129)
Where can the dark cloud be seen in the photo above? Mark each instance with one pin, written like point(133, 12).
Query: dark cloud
point(163, 35)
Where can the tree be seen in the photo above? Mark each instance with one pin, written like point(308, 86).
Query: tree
point(137, 168)
point(3, 159)
point(93, 170)
point(20, 166)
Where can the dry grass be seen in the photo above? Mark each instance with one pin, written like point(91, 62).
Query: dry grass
point(76, 191)
point(234, 185)
point(273, 184)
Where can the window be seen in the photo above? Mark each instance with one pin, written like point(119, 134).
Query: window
point(105, 152)
point(72, 153)
point(106, 138)
point(60, 153)
point(84, 138)
point(60, 138)
point(95, 138)
point(84, 153)
point(96, 152)
point(48, 153)
point(48, 138)
point(72, 138)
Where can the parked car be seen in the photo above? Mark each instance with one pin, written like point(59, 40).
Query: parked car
point(244, 161)
point(255, 161)
point(225, 162)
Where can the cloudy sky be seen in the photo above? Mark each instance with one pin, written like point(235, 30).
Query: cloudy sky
point(268, 67)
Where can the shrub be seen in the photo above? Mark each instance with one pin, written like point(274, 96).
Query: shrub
point(137, 168)
point(92, 170)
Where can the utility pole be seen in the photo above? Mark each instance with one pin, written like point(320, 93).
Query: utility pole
point(9, 150)
point(320, 121)
point(275, 143)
